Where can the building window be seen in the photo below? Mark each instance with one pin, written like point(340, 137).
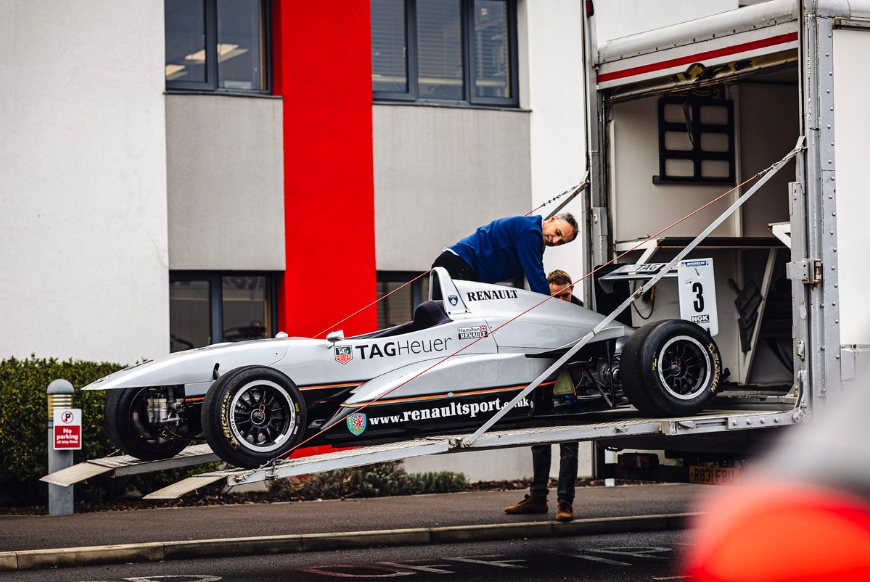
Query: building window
point(217, 45)
point(696, 141)
point(399, 307)
point(209, 308)
point(458, 51)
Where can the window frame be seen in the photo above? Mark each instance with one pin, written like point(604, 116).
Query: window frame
point(215, 295)
point(416, 288)
point(211, 33)
point(469, 70)
point(695, 128)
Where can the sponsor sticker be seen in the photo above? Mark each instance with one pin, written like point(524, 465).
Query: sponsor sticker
point(399, 348)
point(472, 332)
point(343, 354)
point(453, 299)
point(356, 423)
point(705, 318)
point(491, 295)
point(444, 410)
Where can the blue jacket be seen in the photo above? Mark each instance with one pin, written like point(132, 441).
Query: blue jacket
point(507, 248)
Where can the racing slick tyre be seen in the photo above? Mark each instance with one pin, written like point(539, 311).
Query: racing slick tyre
point(670, 368)
point(126, 421)
point(252, 415)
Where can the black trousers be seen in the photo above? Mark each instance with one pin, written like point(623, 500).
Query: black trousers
point(456, 267)
point(567, 472)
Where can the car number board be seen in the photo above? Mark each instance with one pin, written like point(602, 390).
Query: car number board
point(697, 286)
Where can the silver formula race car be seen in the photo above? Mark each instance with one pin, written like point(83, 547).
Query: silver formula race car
point(255, 400)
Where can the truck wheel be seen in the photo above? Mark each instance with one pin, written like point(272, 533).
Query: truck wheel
point(252, 415)
point(126, 421)
point(670, 368)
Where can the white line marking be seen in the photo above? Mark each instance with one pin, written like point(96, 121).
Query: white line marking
point(599, 559)
point(433, 568)
point(499, 563)
point(635, 552)
point(389, 572)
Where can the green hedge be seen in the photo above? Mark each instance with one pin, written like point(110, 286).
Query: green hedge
point(24, 432)
point(378, 480)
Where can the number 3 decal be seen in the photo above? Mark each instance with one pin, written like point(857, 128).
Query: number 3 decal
point(698, 289)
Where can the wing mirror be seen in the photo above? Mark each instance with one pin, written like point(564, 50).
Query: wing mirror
point(335, 336)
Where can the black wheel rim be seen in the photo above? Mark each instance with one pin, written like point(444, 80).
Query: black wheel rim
point(262, 416)
point(683, 365)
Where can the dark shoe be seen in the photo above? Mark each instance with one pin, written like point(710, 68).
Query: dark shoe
point(528, 505)
point(565, 513)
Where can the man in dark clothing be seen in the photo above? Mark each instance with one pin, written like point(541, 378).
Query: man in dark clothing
point(536, 502)
point(507, 248)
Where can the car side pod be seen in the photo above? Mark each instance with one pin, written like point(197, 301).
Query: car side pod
point(338, 417)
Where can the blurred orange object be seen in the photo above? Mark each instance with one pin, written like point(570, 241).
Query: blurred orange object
point(776, 532)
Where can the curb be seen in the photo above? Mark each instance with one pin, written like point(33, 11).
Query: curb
point(285, 544)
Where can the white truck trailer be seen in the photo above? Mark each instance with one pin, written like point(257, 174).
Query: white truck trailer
point(677, 116)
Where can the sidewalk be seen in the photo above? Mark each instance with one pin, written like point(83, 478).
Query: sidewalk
point(334, 524)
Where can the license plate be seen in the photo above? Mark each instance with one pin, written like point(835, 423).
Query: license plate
point(714, 475)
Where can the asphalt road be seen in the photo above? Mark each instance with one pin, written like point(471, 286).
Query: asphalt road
point(607, 558)
point(194, 523)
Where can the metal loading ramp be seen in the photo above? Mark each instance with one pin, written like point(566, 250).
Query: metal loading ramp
point(126, 465)
point(705, 423)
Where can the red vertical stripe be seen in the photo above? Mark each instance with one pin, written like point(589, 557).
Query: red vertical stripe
point(322, 68)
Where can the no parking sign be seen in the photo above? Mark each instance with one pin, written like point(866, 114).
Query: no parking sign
point(67, 429)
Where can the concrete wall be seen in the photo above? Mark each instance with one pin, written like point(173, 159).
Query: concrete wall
point(499, 465)
point(441, 172)
point(225, 182)
point(553, 37)
point(83, 228)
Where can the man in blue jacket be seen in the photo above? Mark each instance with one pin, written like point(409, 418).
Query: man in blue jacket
point(507, 248)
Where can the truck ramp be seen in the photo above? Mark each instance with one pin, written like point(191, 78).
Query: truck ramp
point(694, 425)
point(118, 466)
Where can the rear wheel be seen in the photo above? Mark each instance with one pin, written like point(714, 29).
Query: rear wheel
point(670, 368)
point(127, 423)
point(252, 415)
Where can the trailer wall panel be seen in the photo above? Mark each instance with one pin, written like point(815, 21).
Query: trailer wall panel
point(852, 84)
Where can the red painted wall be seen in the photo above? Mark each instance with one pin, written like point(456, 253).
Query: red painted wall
point(322, 68)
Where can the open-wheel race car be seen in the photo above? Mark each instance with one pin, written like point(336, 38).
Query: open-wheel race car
point(255, 400)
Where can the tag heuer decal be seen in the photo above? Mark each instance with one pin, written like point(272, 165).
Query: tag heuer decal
point(453, 299)
point(356, 423)
point(343, 354)
point(472, 332)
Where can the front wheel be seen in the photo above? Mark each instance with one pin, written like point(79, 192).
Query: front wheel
point(252, 415)
point(126, 421)
point(670, 368)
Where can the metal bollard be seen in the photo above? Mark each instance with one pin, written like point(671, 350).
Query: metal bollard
point(60, 499)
